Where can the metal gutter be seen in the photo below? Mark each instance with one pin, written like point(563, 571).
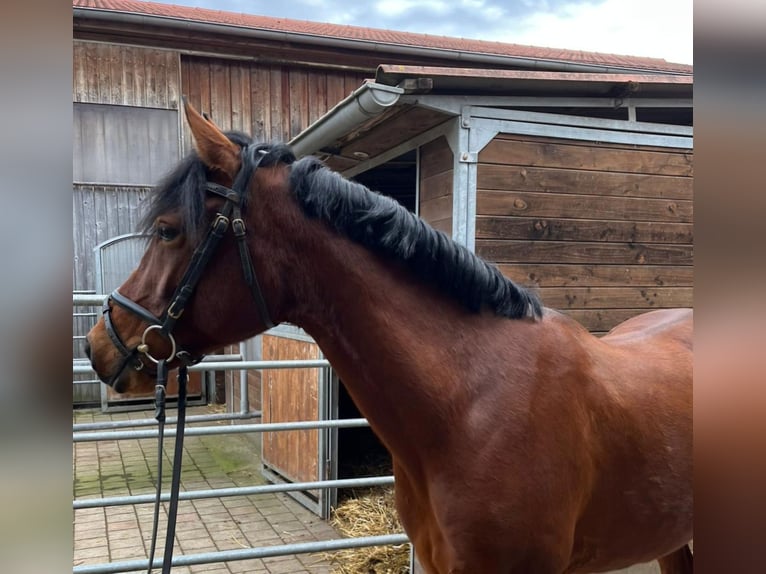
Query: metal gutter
point(192, 28)
point(367, 101)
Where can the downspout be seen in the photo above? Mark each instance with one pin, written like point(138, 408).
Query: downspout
point(367, 101)
point(192, 28)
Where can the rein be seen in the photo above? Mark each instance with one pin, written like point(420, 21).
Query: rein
point(229, 215)
point(160, 392)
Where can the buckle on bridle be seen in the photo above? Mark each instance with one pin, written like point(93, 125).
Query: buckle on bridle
point(238, 227)
point(172, 313)
point(220, 223)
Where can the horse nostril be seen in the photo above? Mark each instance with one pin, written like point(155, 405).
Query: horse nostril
point(87, 349)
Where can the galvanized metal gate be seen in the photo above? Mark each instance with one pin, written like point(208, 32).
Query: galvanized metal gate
point(137, 429)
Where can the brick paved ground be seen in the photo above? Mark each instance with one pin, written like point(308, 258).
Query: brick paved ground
point(126, 467)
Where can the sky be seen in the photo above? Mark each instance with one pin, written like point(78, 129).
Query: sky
point(653, 28)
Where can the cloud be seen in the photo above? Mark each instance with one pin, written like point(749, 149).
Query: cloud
point(655, 28)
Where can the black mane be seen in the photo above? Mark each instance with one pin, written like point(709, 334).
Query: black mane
point(384, 226)
point(374, 220)
point(183, 189)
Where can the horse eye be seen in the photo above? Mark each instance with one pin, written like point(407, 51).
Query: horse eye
point(167, 233)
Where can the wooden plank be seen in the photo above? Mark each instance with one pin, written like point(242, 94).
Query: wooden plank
point(90, 65)
point(436, 157)
point(285, 103)
point(336, 90)
point(161, 77)
point(351, 82)
point(533, 204)
point(139, 77)
point(299, 102)
point(151, 97)
point(598, 144)
point(101, 219)
point(602, 320)
point(116, 79)
point(280, 104)
point(240, 98)
point(103, 53)
point(192, 78)
point(522, 178)
point(546, 229)
point(436, 209)
point(317, 95)
point(260, 103)
point(444, 225)
point(79, 83)
point(586, 157)
point(576, 252)
point(616, 297)
point(173, 73)
point(291, 395)
point(128, 76)
point(82, 232)
point(235, 96)
point(220, 94)
point(187, 70)
point(435, 186)
point(205, 87)
point(574, 275)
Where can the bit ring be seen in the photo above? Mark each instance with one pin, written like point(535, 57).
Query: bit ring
point(144, 347)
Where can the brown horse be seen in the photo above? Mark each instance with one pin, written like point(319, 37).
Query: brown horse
point(521, 443)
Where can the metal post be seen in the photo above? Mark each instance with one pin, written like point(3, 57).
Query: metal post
point(244, 394)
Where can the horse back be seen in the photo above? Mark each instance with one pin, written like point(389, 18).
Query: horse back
point(662, 325)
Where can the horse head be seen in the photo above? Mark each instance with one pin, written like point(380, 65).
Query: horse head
point(206, 249)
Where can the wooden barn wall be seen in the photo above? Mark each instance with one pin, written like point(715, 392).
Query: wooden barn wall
point(125, 75)
point(436, 173)
point(120, 76)
point(604, 231)
point(290, 395)
point(270, 102)
point(100, 212)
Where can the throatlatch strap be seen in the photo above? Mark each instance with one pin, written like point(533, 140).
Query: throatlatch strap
point(238, 227)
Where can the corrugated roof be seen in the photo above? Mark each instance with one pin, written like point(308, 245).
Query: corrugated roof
point(379, 35)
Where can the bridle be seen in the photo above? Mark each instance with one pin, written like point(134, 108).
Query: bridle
point(230, 214)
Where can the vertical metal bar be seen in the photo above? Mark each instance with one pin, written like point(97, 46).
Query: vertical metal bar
point(323, 406)
point(244, 391)
point(458, 141)
point(417, 180)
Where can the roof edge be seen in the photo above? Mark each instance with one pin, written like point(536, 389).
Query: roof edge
point(460, 56)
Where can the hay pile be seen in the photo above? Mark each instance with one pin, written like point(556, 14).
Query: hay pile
point(369, 513)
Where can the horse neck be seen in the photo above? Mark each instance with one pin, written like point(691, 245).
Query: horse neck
point(388, 336)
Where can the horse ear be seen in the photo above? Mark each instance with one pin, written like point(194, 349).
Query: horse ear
point(214, 148)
